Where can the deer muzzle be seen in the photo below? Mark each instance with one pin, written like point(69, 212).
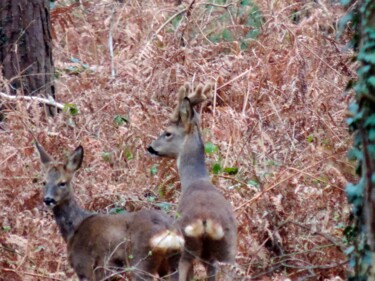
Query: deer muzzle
point(50, 202)
point(152, 150)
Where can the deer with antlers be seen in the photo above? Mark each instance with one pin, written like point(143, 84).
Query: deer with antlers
point(99, 245)
point(206, 217)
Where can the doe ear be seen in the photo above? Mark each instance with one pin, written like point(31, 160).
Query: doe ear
point(45, 158)
point(186, 111)
point(75, 159)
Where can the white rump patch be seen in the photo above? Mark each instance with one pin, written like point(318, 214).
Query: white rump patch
point(167, 240)
point(194, 229)
point(214, 230)
point(211, 228)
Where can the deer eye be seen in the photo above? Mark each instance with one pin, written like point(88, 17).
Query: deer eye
point(62, 184)
point(168, 135)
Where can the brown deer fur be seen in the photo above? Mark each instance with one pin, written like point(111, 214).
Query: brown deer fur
point(100, 245)
point(207, 219)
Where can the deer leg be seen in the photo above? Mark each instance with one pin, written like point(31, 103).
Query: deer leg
point(211, 271)
point(185, 269)
point(173, 260)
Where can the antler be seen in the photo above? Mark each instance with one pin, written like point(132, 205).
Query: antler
point(201, 94)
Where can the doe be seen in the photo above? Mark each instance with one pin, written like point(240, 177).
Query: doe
point(207, 219)
point(100, 245)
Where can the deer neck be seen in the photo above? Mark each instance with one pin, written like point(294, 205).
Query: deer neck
point(191, 162)
point(68, 216)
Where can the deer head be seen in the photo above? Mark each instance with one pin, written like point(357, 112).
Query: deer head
point(184, 121)
point(59, 175)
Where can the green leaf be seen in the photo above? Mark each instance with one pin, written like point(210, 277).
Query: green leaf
point(151, 198)
point(71, 108)
point(153, 170)
point(106, 156)
point(227, 35)
point(128, 154)
point(7, 228)
point(349, 250)
point(131, 256)
point(355, 154)
point(117, 210)
point(216, 168)
point(367, 258)
point(231, 170)
point(310, 138)
point(253, 183)
point(363, 70)
point(210, 148)
point(355, 193)
point(39, 249)
point(120, 120)
point(176, 21)
point(164, 206)
point(345, 2)
point(371, 81)
point(370, 121)
point(343, 21)
point(367, 57)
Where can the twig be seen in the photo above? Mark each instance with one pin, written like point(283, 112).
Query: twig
point(217, 5)
point(38, 99)
point(315, 178)
point(168, 21)
point(31, 274)
point(110, 43)
point(325, 235)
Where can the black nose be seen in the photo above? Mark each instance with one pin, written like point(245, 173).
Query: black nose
point(152, 151)
point(49, 201)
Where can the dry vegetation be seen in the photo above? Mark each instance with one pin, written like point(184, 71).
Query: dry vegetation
point(278, 114)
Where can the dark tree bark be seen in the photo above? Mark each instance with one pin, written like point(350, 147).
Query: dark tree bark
point(26, 47)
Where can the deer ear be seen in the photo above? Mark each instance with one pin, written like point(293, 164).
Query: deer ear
point(186, 111)
point(75, 159)
point(45, 158)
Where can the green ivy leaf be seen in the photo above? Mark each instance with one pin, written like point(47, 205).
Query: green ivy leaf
point(231, 170)
point(345, 2)
point(71, 108)
point(349, 250)
point(371, 81)
point(370, 121)
point(154, 170)
point(216, 168)
point(120, 120)
point(210, 148)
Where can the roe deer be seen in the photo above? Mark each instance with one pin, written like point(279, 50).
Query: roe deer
point(207, 219)
point(97, 244)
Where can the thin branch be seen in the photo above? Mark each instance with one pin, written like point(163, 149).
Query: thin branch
point(38, 99)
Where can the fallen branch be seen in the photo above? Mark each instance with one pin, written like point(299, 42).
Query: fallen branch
point(38, 99)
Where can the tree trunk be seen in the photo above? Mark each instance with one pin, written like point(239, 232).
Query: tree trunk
point(26, 47)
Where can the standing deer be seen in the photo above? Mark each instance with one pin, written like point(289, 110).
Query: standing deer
point(207, 219)
point(99, 244)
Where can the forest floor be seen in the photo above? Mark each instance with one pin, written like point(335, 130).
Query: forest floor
point(275, 128)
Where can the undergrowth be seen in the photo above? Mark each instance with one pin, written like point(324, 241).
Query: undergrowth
point(275, 128)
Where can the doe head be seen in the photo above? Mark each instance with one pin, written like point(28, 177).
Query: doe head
point(58, 175)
